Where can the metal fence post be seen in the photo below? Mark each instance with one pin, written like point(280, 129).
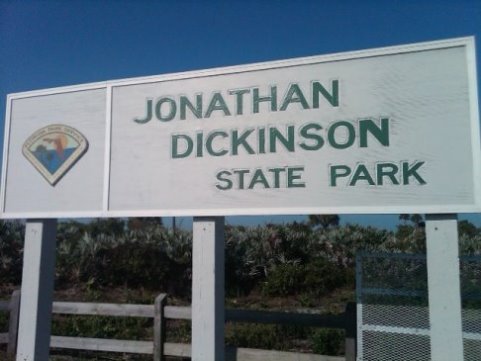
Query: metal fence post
point(159, 327)
point(359, 303)
point(14, 313)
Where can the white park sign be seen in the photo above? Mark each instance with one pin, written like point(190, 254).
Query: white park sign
point(392, 130)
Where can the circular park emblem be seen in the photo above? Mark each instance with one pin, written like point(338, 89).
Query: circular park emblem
point(54, 149)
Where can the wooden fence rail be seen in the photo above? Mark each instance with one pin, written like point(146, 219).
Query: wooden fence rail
point(13, 308)
point(160, 312)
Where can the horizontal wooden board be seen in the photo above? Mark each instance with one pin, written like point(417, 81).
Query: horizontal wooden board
point(285, 318)
point(4, 305)
point(98, 344)
point(178, 312)
point(103, 309)
point(247, 354)
point(3, 337)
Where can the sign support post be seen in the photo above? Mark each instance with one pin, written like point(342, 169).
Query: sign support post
point(208, 289)
point(444, 287)
point(37, 290)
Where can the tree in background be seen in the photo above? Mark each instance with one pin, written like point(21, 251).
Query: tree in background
point(143, 223)
point(415, 220)
point(12, 234)
point(112, 227)
point(467, 229)
point(324, 220)
point(411, 234)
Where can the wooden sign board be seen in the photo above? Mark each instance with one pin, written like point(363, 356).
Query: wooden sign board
point(391, 130)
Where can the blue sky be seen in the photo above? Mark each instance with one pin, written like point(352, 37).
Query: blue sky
point(54, 43)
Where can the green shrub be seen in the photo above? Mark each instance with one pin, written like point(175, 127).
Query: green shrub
point(12, 234)
point(3, 322)
point(178, 331)
point(328, 341)
point(6, 357)
point(284, 279)
point(122, 328)
point(153, 258)
point(322, 276)
point(318, 277)
point(274, 337)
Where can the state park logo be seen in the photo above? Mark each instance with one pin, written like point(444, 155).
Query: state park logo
point(54, 149)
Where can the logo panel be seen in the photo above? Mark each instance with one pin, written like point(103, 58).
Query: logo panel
point(54, 149)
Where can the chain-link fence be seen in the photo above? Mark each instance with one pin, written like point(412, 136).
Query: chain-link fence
point(471, 312)
point(393, 312)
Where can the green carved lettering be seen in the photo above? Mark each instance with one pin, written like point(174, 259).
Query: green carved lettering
point(256, 99)
point(334, 140)
point(332, 97)
point(294, 177)
point(222, 177)
point(209, 141)
point(172, 109)
point(361, 174)
point(241, 173)
point(388, 170)
point(239, 93)
point(195, 110)
point(338, 171)
point(275, 135)
point(259, 178)
point(148, 117)
point(294, 95)
point(308, 132)
point(217, 103)
point(276, 172)
point(381, 133)
point(187, 149)
point(241, 140)
point(412, 171)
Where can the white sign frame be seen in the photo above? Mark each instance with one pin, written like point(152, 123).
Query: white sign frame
point(108, 86)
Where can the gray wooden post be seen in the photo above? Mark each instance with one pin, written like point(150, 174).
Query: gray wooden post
point(351, 330)
point(159, 327)
point(14, 308)
point(37, 290)
point(208, 289)
point(444, 287)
